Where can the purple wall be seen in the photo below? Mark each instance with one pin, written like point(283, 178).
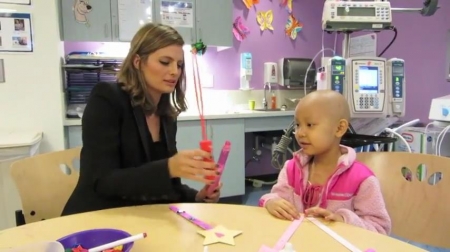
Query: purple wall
point(421, 41)
point(268, 46)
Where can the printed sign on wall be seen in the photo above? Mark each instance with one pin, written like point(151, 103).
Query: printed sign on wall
point(15, 32)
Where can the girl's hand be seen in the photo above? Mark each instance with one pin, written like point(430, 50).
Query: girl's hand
point(282, 209)
point(324, 213)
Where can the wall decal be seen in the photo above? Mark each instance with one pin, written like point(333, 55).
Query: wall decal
point(81, 9)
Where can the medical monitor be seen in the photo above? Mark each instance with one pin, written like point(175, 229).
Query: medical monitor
point(366, 83)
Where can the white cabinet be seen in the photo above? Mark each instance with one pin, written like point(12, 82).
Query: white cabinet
point(219, 131)
point(73, 137)
point(233, 130)
point(86, 21)
point(189, 134)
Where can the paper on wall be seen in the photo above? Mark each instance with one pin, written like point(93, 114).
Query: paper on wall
point(365, 45)
point(177, 14)
point(15, 32)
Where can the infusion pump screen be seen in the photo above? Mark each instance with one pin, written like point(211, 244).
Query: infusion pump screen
point(356, 11)
point(368, 79)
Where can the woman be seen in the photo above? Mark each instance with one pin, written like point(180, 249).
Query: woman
point(129, 155)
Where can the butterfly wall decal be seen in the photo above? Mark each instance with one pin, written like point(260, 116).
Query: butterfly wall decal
point(293, 27)
point(265, 19)
point(249, 3)
point(240, 31)
point(287, 4)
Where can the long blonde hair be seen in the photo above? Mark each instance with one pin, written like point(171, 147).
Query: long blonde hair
point(150, 38)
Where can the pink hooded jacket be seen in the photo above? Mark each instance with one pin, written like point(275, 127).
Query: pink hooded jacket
point(352, 191)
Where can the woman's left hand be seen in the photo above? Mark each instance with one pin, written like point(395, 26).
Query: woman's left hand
point(202, 195)
point(324, 213)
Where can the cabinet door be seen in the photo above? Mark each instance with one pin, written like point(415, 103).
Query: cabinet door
point(215, 22)
point(73, 136)
point(183, 23)
point(233, 130)
point(86, 20)
point(189, 134)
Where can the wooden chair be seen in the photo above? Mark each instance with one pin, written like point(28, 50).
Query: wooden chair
point(45, 183)
point(416, 193)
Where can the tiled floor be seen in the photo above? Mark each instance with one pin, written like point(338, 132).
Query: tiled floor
point(253, 194)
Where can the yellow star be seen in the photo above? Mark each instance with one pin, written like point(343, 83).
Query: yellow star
point(219, 234)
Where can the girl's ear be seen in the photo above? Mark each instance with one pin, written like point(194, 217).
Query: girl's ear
point(342, 128)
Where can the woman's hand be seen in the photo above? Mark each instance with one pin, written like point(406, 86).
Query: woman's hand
point(202, 195)
point(189, 164)
point(324, 213)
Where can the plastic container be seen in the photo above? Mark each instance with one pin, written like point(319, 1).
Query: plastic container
point(37, 247)
point(356, 140)
point(95, 237)
point(273, 104)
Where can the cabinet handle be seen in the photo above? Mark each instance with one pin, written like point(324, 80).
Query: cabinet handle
point(211, 132)
point(117, 31)
point(106, 30)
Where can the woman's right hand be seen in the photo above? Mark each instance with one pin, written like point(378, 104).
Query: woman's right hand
point(189, 164)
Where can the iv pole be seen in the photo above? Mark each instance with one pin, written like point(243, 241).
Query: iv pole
point(430, 7)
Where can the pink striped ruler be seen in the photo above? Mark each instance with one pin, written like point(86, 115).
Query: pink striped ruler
point(284, 238)
point(192, 219)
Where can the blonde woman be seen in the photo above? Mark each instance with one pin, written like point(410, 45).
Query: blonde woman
point(129, 155)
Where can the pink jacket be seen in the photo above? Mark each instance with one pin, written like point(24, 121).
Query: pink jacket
point(352, 191)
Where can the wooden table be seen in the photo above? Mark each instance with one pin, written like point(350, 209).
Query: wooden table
point(169, 232)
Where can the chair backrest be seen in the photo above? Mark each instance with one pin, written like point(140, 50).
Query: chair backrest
point(416, 193)
point(45, 183)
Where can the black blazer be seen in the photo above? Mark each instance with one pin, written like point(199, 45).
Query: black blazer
point(116, 165)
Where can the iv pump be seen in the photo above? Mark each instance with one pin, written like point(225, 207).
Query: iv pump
point(373, 86)
point(396, 83)
point(335, 75)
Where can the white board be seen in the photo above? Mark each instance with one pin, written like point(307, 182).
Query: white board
point(132, 15)
point(365, 45)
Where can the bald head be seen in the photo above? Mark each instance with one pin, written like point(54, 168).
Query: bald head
point(328, 103)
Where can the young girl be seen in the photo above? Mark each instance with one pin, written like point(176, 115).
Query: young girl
point(324, 179)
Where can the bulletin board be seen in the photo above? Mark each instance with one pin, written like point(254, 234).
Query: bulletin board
point(132, 15)
point(16, 32)
point(23, 2)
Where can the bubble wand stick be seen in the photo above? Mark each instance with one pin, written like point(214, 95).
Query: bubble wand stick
point(205, 143)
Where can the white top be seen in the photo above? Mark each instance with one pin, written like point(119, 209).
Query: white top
point(14, 138)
